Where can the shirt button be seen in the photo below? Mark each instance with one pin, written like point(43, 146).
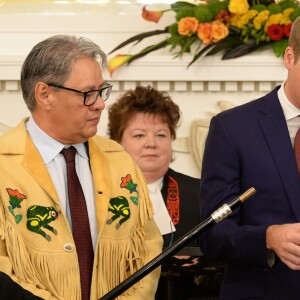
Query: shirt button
point(68, 247)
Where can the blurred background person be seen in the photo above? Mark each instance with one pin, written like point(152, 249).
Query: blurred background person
point(144, 122)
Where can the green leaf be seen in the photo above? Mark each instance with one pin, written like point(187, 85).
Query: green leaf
point(289, 4)
point(259, 7)
point(225, 44)
point(178, 5)
point(148, 50)
point(134, 200)
point(185, 12)
point(200, 53)
point(203, 14)
point(275, 8)
point(215, 6)
point(139, 37)
point(279, 47)
point(18, 218)
point(241, 49)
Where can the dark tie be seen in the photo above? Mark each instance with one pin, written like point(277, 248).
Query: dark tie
point(80, 224)
point(297, 149)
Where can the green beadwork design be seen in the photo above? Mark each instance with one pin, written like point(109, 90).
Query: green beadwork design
point(15, 200)
point(119, 206)
point(39, 217)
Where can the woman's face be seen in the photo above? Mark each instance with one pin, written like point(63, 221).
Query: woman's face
point(148, 140)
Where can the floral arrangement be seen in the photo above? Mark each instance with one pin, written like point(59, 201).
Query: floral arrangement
point(234, 27)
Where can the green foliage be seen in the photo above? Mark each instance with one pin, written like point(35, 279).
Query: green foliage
point(295, 14)
point(178, 5)
point(275, 8)
point(289, 4)
point(203, 14)
point(215, 6)
point(279, 47)
point(185, 12)
point(259, 7)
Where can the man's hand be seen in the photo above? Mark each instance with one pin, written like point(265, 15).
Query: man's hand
point(284, 240)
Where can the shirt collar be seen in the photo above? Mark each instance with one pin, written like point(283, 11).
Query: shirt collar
point(290, 111)
point(155, 186)
point(48, 147)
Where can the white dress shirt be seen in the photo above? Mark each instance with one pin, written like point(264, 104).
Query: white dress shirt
point(161, 214)
point(291, 113)
point(50, 150)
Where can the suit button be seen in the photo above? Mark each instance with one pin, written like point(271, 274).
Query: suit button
point(68, 247)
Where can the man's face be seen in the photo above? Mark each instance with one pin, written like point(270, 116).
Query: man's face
point(71, 121)
point(292, 83)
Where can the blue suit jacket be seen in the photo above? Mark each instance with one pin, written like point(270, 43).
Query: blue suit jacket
point(250, 146)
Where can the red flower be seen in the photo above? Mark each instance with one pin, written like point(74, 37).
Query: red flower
point(275, 32)
point(152, 16)
point(223, 15)
point(287, 29)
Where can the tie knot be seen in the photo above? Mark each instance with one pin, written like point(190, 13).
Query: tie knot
point(69, 154)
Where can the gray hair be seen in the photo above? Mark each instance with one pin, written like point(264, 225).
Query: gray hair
point(51, 60)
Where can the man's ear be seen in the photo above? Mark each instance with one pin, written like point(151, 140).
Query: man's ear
point(43, 96)
point(289, 58)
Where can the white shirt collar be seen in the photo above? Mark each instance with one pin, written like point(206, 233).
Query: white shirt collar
point(48, 147)
point(290, 111)
point(155, 186)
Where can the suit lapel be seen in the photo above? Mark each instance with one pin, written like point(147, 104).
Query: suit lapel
point(101, 179)
point(35, 165)
point(274, 127)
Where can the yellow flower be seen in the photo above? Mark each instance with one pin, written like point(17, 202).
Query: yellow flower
point(152, 16)
point(286, 16)
point(238, 6)
point(260, 19)
point(118, 61)
point(188, 26)
point(241, 20)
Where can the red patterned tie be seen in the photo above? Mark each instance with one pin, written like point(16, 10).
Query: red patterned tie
point(297, 149)
point(80, 224)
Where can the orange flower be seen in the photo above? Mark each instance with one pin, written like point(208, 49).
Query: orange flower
point(125, 180)
point(204, 33)
point(118, 61)
point(15, 193)
point(151, 16)
point(188, 26)
point(218, 31)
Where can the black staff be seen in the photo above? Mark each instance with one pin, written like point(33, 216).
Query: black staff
point(217, 216)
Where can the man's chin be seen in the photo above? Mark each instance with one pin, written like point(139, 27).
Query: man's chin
point(87, 134)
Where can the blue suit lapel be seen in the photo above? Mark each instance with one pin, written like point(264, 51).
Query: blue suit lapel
point(276, 133)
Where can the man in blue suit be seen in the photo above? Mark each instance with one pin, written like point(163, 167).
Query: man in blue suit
point(252, 146)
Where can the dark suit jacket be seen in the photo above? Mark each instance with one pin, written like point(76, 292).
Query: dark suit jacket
point(249, 146)
point(189, 191)
point(9, 290)
point(183, 287)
